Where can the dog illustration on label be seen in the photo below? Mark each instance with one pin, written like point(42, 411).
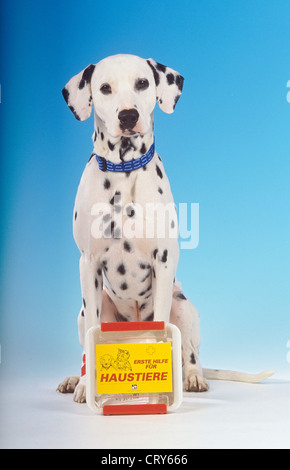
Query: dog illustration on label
point(121, 362)
point(106, 361)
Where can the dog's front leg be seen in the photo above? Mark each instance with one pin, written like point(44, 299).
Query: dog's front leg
point(91, 287)
point(162, 284)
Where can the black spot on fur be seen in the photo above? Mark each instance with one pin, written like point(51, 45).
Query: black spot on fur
point(82, 313)
point(144, 265)
point(160, 67)
point(88, 72)
point(175, 100)
point(124, 286)
point(155, 253)
point(84, 303)
point(127, 246)
point(111, 146)
point(121, 269)
point(65, 94)
point(104, 264)
point(143, 149)
point(145, 291)
point(76, 214)
point(98, 312)
point(126, 145)
point(74, 113)
point(159, 172)
point(192, 359)
point(87, 75)
point(99, 271)
point(179, 82)
point(130, 211)
point(112, 230)
point(96, 283)
point(170, 78)
point(107, 183)
point(160, 190)
point(164, 256)
point(116, 198)
point(155, 73)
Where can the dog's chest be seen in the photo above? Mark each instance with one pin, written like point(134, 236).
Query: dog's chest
point(116, 220)
point(116, 206)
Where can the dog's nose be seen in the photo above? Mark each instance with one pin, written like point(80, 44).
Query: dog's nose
point(128, 118)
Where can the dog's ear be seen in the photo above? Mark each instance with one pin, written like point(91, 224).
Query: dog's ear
point(169, 84)
point(78, 95)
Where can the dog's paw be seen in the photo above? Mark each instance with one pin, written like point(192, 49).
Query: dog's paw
point(69, 384)
point(80, 393)
point(195, 383)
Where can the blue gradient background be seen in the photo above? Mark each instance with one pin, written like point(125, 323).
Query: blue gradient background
point(226, 147)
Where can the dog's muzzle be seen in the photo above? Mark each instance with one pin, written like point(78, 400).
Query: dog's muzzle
point(128, 119)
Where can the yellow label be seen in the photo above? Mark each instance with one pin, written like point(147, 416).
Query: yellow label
point(133, 368)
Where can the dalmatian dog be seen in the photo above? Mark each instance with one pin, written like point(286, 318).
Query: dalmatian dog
point(128, 268)
point(123, 277)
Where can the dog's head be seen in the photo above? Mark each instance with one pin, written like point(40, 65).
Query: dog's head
point(106, 361)
point(123, 90)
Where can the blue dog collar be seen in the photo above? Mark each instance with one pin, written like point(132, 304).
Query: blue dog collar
point(126, 167)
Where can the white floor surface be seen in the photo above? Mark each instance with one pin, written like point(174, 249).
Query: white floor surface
point(230, 415)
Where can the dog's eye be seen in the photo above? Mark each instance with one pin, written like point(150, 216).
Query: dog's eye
point(106, 89)
point(141, 84)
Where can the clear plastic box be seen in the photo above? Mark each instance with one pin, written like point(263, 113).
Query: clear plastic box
point(133, 368)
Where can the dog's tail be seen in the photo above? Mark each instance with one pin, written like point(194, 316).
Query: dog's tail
point(232, 376)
